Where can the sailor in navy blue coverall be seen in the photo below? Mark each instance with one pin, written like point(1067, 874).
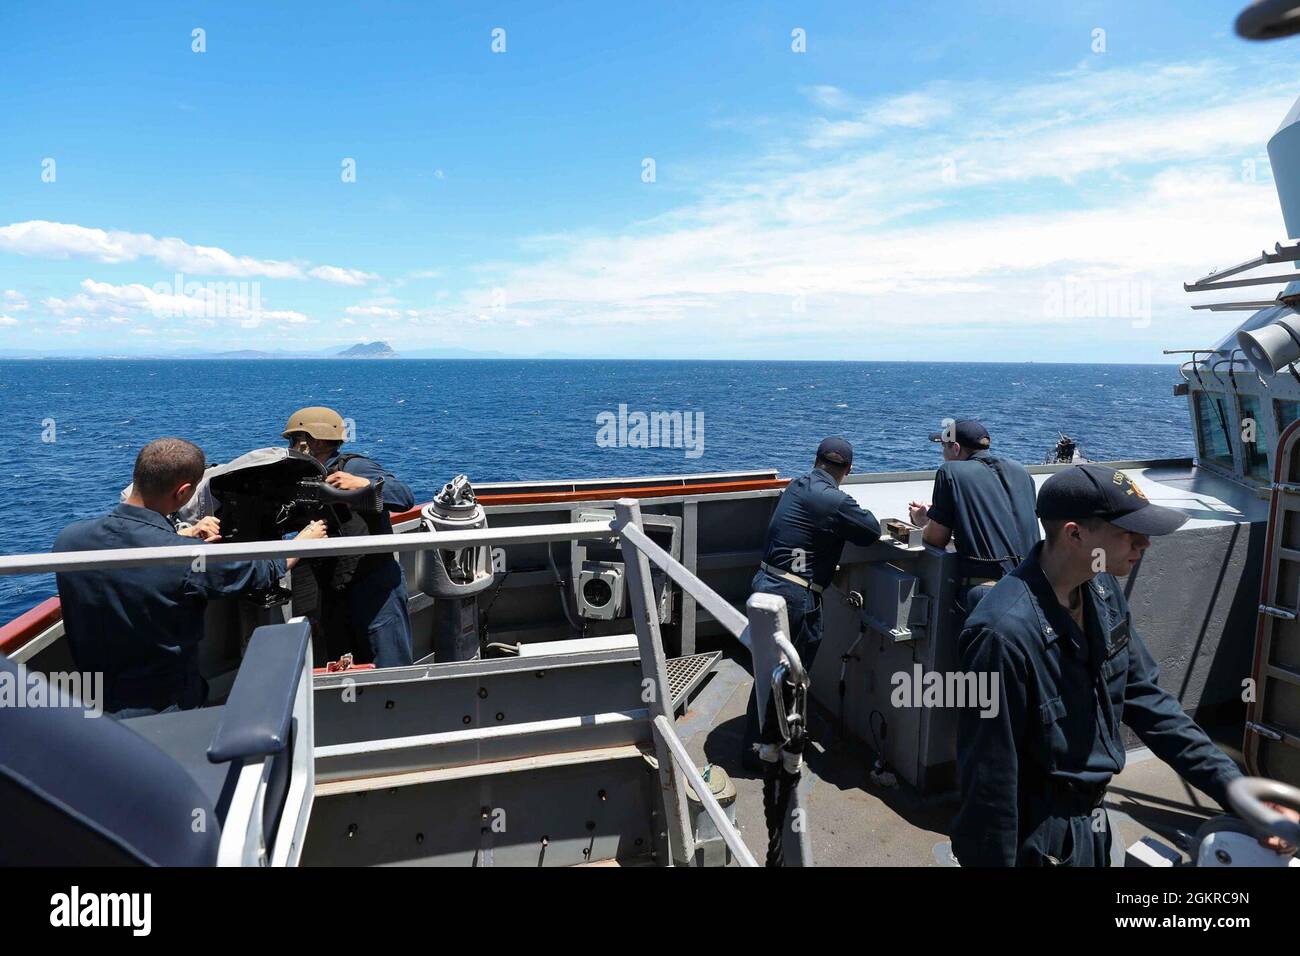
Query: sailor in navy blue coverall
point(812, 521)
point(1070, 669)
point(140, 627)
point(982, 502)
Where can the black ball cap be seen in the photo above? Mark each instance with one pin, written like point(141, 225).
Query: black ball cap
point(837, 450)
point(1094, 491)
point(967, 432)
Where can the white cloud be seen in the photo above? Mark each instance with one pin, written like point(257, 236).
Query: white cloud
point(914, 110)
point(372, 311)
point(340, 276)
point(59, 240)
point(831, 98)
point(1115, 175)
point(911, 109)
point(950, 208)
point(232, 301)
point(8, 320)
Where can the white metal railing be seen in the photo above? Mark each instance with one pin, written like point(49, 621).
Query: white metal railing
point(45, 563)
point(763, 632)
point(714, 809)
point(767, 620)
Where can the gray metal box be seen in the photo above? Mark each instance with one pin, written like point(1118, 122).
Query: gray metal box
point(888, 597)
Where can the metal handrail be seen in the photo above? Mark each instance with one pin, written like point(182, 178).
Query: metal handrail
point(730, 835)
point(726, 615)
point(705, 596)
point(625, 527)
point(46, 562)
point(1247, 796)
point(798, 674)
point(766, 617)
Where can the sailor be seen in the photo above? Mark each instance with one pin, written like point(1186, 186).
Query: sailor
point(983, 501)
point(363, 599)
point(140, 627)
point(812, 521)
point(1057, 638)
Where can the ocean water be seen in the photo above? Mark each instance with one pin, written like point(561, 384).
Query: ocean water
point(70, 430)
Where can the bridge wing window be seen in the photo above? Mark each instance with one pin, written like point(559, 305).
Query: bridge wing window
point(1287, 411)
point(1212, 425)
point(1252, 426)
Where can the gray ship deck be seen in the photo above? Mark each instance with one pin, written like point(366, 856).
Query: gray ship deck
point(856, 822)
point(1208, 499)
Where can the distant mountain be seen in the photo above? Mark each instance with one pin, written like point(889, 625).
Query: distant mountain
point(238, 354)
point(362, 350)
point(368, 350)
point(251, 354)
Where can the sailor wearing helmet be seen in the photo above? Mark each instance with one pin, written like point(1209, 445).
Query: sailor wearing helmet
point(363, 603)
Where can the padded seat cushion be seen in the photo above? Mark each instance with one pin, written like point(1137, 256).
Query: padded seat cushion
point(184, 736)
point(76, 790)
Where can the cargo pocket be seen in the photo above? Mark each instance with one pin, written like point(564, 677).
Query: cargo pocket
point(1079, 851)
point(1050, 844)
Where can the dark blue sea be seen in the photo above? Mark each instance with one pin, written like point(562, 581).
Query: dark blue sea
point(500, 420)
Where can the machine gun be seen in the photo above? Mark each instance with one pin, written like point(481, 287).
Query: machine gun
point(311, 499)
point(267, 500)
point(278, 494)
point(1066, 452)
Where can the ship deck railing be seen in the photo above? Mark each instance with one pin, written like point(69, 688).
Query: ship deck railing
point(763, 630)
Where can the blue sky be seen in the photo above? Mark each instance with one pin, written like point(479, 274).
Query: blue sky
point(925, 181)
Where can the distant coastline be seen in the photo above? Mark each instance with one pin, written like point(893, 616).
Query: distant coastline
point(468, 356)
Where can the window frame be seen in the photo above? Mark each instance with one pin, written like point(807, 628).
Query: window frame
point(1233, 466)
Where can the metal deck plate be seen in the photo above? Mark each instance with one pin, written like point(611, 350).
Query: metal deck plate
point(686, 673)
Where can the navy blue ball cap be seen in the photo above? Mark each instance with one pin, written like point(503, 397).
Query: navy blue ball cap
point(967, 432)
point(837, 450)
point(1094, 491)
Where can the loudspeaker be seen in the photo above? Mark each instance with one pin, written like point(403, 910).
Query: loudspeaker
point(1272, 347)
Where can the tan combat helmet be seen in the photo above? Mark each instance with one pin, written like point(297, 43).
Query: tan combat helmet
point(318, 422)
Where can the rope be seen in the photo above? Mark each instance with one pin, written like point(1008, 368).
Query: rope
point(779, 783)
point(776, 803)
point(778, 790)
